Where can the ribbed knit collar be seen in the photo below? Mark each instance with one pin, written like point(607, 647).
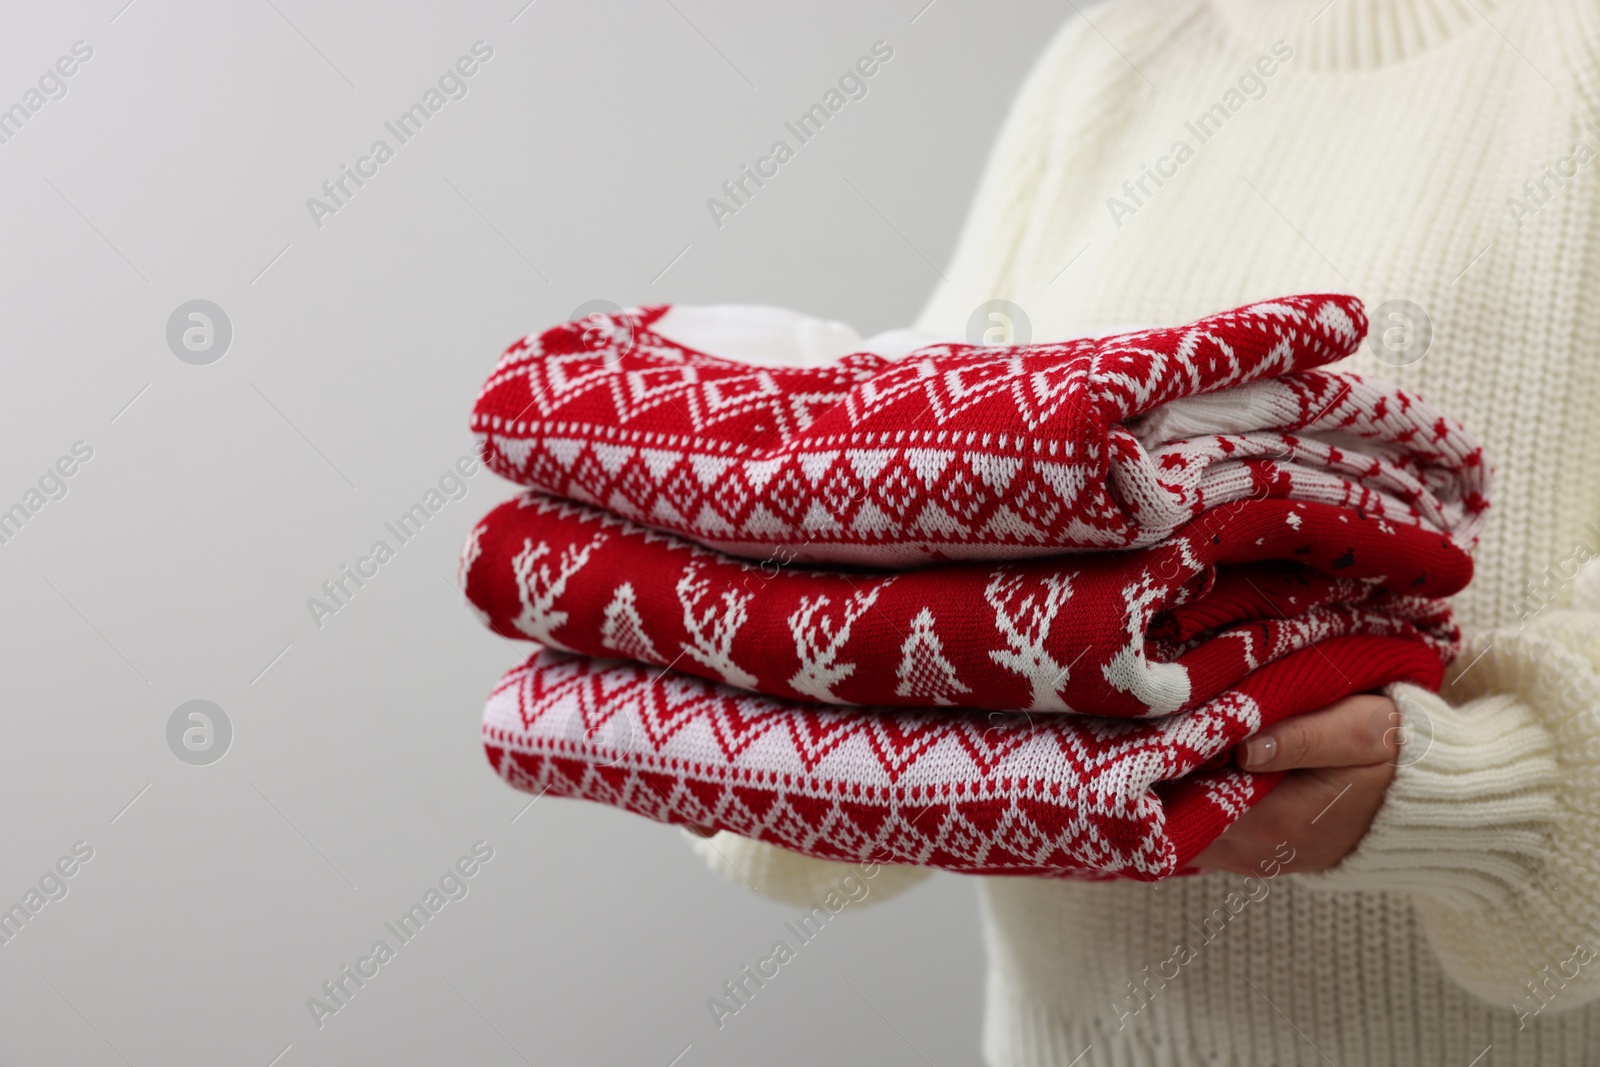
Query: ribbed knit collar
point(1357, 34)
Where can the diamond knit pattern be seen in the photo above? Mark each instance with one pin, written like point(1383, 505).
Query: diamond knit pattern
point(1020, 794)
point(970, 452)
point(996, 610)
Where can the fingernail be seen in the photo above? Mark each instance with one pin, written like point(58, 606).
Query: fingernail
point(1259, 751)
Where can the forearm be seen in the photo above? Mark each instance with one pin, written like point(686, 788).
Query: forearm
point(1493, 821)
point(800, 880)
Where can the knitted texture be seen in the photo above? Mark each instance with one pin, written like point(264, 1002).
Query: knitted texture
point(1389, 155)
point(1012, 794)
point(1514, 923)
point(964, 452)
point(796, 879)
point(1146, 632)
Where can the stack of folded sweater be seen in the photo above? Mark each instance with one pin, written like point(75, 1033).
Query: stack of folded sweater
point(1001, 610)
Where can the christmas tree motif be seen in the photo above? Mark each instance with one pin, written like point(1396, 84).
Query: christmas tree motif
point(539, 590)
point(710, 634)
point(818, 639)
point(924, 671)
point(623, 630)
point(1024, 617)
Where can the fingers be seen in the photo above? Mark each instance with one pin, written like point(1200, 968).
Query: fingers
point(1310, 822)
point(1340, 760)
point(1354, 732)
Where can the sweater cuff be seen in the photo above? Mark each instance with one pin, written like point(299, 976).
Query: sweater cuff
point(792, 878)
point(1468, 818)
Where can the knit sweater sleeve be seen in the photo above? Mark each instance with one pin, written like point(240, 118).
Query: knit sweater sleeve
point(989, 250)
point(1493, 820)
point(791, 878)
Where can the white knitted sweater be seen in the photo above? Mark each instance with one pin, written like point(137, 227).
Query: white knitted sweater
point(1432, 151)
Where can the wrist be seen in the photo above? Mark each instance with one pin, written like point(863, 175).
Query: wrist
point(1470, 812)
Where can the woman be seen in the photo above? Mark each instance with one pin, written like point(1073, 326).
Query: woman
point(1440, 903)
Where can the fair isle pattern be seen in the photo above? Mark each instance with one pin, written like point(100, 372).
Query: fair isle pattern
point(979, 793)
point(970, 452)
point(1146, 632)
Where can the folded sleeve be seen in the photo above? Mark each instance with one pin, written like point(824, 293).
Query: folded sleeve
point(1493, 819)
point(791, 878)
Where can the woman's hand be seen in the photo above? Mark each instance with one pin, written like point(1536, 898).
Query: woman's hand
point(1340, 762)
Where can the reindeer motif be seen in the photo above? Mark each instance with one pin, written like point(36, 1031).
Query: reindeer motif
point(469, 555)
point(539, 590)
point(818, 639)
point(1162, 687)
point(710, 635)
point(1026, 628)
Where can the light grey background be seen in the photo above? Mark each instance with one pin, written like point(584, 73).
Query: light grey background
point(178, 565)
